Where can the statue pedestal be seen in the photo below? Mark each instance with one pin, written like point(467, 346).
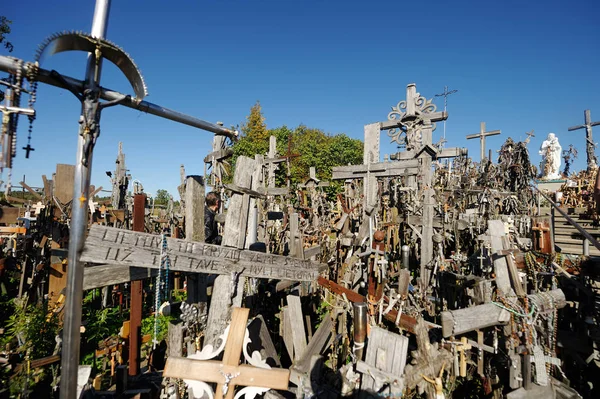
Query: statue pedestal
point(551, 186)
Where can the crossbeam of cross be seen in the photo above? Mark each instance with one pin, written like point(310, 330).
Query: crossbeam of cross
point(481, 136)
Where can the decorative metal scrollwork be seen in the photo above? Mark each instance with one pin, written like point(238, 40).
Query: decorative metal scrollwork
point(410, 126)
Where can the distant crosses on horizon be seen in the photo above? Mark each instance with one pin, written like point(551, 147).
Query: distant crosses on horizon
point(592, 161)
point(445, 94)
point(481, 136)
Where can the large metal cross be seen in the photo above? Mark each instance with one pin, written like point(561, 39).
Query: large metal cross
point(89, 92)
point(481, 136)
point(592, 161)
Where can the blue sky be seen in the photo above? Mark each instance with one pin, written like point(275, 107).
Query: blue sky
point(333, 65)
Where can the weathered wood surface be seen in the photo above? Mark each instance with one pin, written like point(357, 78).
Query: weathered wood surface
point(63, 183)
point(386, 352)
point(316, 345)
point(195, 231)
point(175, 345)
point(497, 230)
point(108, 245)
point(9, 215)
point(297, 324)
point(379, 169)
point(104, 275)
point(194, 210)
point(216, 371)
point(456, 322)
point(228, 290)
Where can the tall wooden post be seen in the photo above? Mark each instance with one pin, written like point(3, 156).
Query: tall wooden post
point(135, 312)
point(228, 293)
point(194, 231)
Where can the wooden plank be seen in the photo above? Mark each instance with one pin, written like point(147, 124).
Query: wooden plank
point(287, 332)
point(31, 190)
point(12, 230)
point(105, 275)
point(496, 230)
point(195, 231)
point(386, 351)
point(380, 169)
point(47, 187)
point(456, 322)
point(251, 376)
point(227, 292)
point(175, 337)
point(63, 183)
point(9, 215)
point(317, 344)
point(297, 321)
point(108, 245)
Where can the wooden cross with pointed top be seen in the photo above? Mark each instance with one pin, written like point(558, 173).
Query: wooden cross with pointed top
point(592, 161)
point(228, 373)
point(481, 136)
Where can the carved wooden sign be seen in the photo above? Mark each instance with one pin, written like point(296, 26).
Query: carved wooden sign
point(109, 245)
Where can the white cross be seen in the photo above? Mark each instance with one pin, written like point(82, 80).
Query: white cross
point(38, 207)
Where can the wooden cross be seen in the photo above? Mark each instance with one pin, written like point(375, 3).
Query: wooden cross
point(38, 207)
point(228, 373)
point(481, 136)
point(540, 229)
point(590, 145)
point(529, 136)
point(462, 347)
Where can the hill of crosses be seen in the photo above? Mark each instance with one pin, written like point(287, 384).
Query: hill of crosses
point(295, 264)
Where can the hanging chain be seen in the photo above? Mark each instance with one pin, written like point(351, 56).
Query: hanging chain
point(32, 73)
point(162, 284)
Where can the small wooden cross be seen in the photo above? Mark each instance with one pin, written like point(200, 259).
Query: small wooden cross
point(540, 228)
point(228, 373)
point(529, 136)
point(28, 149)
point(462, 347)
point(38, 207)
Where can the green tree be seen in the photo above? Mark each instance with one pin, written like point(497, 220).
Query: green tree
point(162, 197)
point(255, 136)
point(5, 30)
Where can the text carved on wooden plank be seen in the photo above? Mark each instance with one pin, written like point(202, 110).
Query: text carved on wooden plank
point(107, 245)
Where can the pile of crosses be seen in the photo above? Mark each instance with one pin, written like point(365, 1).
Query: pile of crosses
point(422, 277)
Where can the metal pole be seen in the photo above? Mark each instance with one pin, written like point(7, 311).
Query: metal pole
point(88, 125)
point(360, 328)
point(11, 65)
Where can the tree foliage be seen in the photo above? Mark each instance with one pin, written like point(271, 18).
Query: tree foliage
point(162, 197)
point(307, 147)
point(255, 136)
point(5, 30)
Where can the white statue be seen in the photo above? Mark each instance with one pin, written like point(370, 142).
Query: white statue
point(551, 152)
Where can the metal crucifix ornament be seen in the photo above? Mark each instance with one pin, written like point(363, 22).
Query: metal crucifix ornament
point(89, 92)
